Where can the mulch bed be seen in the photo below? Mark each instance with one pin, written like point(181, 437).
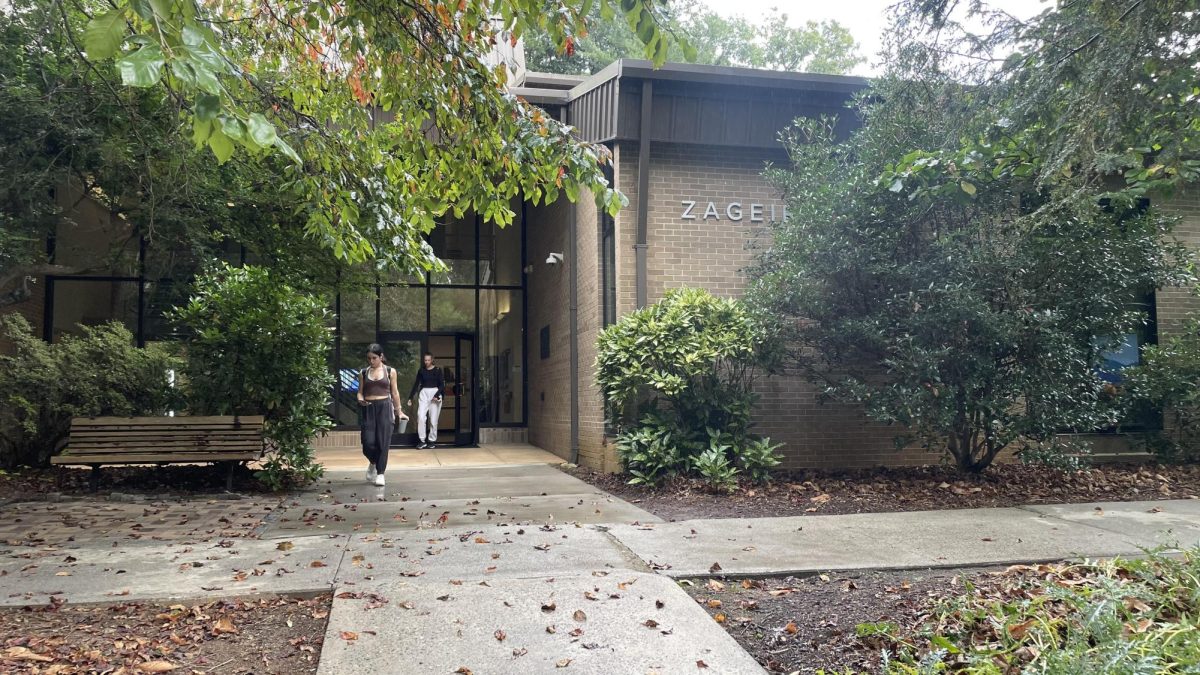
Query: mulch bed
point(38, 484)
point(276, 635)
point(804, 625)
point(905, 489)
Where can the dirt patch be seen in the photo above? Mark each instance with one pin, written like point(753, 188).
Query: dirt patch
point(39, 484)
point(905, 489)
point(276, 635)
point(789, 624)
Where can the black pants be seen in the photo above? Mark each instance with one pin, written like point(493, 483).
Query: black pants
point(378, 420)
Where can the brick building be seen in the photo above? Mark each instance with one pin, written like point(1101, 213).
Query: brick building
point(514, 323)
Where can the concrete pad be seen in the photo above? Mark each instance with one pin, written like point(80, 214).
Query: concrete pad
point(773, 546)
point(479, 554)
point(1174, 523)
point(381, 516)
point(219, 569)
point(451, 483)
point(503, 628)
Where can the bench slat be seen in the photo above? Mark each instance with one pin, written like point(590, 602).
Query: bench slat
point(225, 435)
point(183, 420)
point(151, 458)
point(118, 448)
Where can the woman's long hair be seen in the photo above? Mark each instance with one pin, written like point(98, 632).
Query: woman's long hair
point(377, 350)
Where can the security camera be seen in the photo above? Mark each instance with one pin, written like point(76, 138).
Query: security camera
point(554, 258)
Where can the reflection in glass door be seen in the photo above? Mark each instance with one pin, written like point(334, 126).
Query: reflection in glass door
point(403, 352)
point(454, 354)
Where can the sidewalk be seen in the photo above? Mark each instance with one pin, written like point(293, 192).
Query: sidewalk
point(526, 571)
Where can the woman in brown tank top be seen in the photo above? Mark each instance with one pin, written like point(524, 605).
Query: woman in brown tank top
point(380, 400)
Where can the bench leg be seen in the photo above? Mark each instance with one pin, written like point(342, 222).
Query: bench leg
point(229, 476)
point(94, 478)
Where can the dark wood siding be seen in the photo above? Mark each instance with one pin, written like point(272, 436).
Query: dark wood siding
point(693, 113)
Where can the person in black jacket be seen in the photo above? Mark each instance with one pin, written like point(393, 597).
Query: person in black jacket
point(427, 387)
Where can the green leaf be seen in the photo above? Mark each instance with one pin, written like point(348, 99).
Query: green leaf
point(233, 127)
point(104, 34)
point(261, 130)
point(287, 150)
point(221, 146)
point(207, 107)
point(143, 9)
point(142, 68)
point(967, 187)
point(201, 130)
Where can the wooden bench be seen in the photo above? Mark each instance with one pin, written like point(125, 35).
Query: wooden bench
point(162, 440)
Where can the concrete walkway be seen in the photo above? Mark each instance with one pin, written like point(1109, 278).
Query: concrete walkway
point(526, 569)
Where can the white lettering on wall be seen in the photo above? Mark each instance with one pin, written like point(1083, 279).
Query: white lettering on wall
point(687, 210)
point(735, 211)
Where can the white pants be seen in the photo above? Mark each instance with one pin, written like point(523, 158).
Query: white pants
point(427, 408)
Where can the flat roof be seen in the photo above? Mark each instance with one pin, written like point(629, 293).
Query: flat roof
point(721, 75)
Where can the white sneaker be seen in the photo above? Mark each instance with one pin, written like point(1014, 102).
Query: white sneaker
point(371, 473)
point(379, 480)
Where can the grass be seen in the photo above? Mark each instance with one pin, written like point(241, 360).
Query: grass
point(1120, 617)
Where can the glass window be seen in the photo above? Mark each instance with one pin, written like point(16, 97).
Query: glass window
point(357, 308)
point(501, 355)
point(161, 297)
point(452, 309)
point(402, 308)
point(89, 302)
point(454, 243)
point(500, 253)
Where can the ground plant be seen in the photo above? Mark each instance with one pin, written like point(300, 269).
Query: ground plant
point(678, 378)
point(257, 346)
point(98, 371)
point(1117, 616)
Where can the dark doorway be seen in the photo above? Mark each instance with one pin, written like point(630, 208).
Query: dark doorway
point(454, 353)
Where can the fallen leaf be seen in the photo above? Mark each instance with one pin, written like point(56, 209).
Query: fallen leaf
point(719, 618)
point(1134, 605)
point(285, 546)
point(317, 563)
point(791, 628)
point(701, 665)
point(715, 585)
point(463, 670)
point(349, 635)
point(716, 567)
point(579, 615)
point(650, 623)
point(1017, 631)
point(24, 654)
point(714, 604)
point(156, 667)
point(563, 663)
point(224, 625)
point(549, 607)
point(500, 635)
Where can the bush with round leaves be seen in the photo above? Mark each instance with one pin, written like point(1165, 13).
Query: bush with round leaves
point(678, 381)
point(257, 346)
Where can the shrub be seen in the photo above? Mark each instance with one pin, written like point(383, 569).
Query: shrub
point(1168, 379)
point(714, 466)
point(43, 385)
point(257, 346)
point(684, 368)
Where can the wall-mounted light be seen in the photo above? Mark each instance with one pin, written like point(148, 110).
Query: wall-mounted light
point(554, 258)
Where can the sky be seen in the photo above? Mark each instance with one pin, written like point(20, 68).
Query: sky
point(866, 19)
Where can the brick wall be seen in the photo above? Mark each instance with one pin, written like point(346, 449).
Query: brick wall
point(714, 253)
point(1175, 305)
point(549, 379)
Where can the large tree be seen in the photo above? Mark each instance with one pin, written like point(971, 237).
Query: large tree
point(817, 47)
point(371, 119)
point(961, 263)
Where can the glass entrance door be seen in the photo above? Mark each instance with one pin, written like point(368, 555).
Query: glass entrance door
point(454, 354)
point(403, 352)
